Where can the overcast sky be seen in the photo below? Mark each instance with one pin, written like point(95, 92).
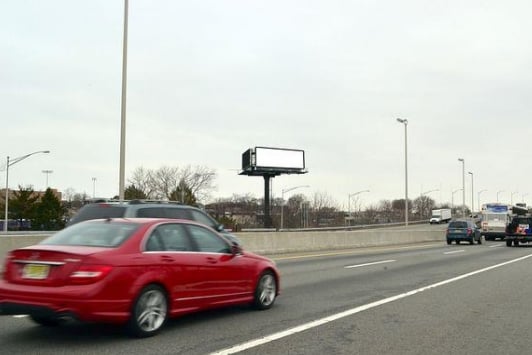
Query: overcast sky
point(209, 79)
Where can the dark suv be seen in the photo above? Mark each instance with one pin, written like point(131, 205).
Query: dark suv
point(148, 209)
point(519, 230)
point(463, 230)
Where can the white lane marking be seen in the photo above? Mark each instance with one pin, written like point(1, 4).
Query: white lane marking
point(306, 326)
point(20, 316)
point(368, 264)
point(454, 252)
point(496, 246)
point(357, 251)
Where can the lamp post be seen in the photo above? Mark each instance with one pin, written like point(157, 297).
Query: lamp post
point(498, 192)
point(452, 198)
point(122, 173)
point(405, 123)
point(349, 197)
point(282, 200)
point(47, 172)
point(478, 199)
point(463, 185)
point(472, 192)
point(93, 187)
point(9, 163)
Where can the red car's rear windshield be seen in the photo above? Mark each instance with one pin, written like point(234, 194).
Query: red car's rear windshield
point(94, 234)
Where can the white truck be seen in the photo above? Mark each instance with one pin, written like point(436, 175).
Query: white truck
point(441, 215)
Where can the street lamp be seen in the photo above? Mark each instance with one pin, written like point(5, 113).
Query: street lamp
point(405, 123)
point(122, 169)
point(93, 187)
point(498, 194)
point(478, 200)
point(47, 172)
point(8, 164)
point(463, 185)
point(282, 200)
point(349, 197)
point(472, 192)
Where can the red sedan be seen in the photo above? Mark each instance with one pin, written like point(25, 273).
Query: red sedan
point(136, 272)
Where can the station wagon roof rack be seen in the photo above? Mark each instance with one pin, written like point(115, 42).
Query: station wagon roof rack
point(141, 201)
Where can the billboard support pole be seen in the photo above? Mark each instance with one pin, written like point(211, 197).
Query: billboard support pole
point(267, 215)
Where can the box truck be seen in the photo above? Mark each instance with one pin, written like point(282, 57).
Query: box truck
point(442, 215)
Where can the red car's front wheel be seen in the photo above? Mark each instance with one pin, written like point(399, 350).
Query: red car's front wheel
point(266, 291)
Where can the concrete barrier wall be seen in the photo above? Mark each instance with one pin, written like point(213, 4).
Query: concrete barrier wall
point(290, 242)
point(268, 243)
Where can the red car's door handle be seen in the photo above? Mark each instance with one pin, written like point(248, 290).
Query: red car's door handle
point(167, 259)
point(212, 260)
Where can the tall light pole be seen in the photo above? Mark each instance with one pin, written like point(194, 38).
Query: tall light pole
point(478, 199)
point(282, 200)
point(349, 197)
point(93, 187)
point(498, 192)
point(8, 164)
point(47, 172)
point(463, 185)
point(472, 192)
point(405, 123)
point(122, 172)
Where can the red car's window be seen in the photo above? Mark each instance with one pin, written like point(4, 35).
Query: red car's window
point(100, 234)
point(208, 241)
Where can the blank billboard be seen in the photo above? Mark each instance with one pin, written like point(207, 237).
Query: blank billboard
point(279, 158)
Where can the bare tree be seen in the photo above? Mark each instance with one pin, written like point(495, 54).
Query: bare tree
point(144, 181)
point(386, 210)
point(423, 205)
point(199, 179)
point(293, 211)
point(166, 181)
point(323, 208)
point(171, 182)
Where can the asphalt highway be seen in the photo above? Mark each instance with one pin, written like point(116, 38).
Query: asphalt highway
point(417, 299)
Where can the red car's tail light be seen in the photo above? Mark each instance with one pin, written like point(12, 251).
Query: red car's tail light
point(87, 274)
point(469, 231)
point(7, 267)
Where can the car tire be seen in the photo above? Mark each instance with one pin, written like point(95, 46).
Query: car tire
point(449, 242)
point(149, 312)
point(46, 321)
point(457, 242)
point(508, 243)
point(516, 242)
point(266, 291)
point(472, 241)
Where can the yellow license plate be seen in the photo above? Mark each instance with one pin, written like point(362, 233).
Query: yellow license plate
point(35, 271)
